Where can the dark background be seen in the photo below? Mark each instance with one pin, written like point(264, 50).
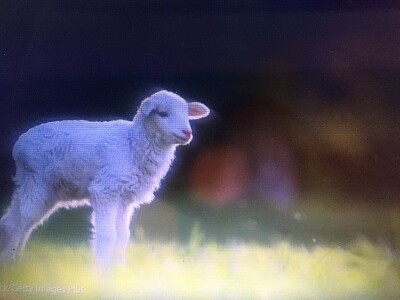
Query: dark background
point(304, 94)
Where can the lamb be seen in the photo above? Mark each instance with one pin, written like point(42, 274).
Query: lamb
point(113, 166)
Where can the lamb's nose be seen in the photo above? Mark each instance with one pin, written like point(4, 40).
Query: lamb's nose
point(187, 133)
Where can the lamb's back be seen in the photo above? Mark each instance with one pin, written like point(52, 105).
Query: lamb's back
point(80, 147)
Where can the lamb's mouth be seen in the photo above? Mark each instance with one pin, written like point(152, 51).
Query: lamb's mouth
point(181, 139)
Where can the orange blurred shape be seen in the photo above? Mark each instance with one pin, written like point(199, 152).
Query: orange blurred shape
point(219, 175)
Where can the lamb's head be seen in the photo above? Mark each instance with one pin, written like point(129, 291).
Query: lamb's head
point(166, 116)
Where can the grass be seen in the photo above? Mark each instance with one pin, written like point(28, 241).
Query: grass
point(219, 253)
point(197, 270)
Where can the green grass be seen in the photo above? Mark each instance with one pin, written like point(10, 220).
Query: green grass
point(207, 270)
point(194, 251)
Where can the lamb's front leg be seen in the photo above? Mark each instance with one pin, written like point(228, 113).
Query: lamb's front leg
point(124, 216)
point(105, 235)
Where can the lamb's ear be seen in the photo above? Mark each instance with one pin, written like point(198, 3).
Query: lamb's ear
point(147, 107)
point(197, 110)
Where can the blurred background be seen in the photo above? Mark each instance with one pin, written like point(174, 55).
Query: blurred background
point(303, 139)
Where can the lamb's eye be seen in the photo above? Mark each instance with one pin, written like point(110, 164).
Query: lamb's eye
point(162, 114)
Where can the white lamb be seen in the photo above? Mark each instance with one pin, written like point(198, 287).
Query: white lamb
point(113, 166)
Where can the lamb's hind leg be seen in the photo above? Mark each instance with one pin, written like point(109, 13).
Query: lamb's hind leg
point(28, 208)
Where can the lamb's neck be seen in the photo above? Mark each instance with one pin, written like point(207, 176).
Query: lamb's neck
point(155, 157)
